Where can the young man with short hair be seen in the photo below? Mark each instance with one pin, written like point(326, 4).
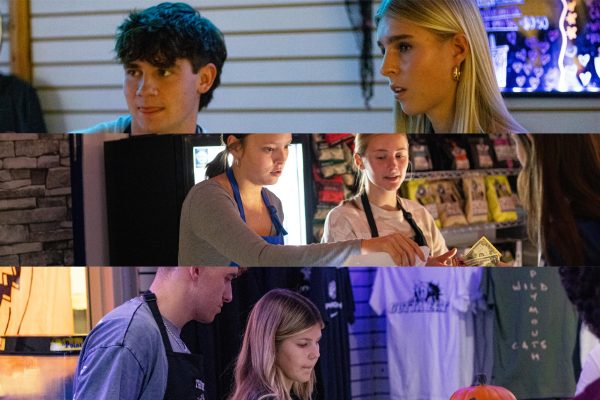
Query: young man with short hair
point(172, 58)
point(135, 351)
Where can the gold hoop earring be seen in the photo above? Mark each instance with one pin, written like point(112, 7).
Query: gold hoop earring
point(456, 73)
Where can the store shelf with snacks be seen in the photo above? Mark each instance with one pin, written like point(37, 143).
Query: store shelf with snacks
point(458, 174)
point(496, 232)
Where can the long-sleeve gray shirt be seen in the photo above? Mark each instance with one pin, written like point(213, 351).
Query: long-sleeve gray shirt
point(211, 232)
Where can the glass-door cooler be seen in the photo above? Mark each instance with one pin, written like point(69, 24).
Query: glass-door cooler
point(38, 367)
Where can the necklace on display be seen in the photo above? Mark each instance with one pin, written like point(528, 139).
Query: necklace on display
point(179, 342)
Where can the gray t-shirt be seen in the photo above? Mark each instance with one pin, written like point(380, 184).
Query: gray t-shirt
point(211, 232)
point(123, 357)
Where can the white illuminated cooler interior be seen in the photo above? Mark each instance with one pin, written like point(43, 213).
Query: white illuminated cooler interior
point(289, 188)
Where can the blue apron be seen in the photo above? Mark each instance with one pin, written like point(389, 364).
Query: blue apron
point(279, 230)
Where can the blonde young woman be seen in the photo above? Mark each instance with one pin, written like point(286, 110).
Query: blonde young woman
point(382, 161)
point(233, 218)
point(280, 349)
point(439, 66)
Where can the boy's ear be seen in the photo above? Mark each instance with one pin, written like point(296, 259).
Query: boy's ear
point(206, 77)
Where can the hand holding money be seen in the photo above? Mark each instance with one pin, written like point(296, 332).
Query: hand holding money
point(482, 254)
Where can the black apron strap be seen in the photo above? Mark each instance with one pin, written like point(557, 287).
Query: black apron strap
point(185, 379)
point(150, 299)
point(367, 207)
point(419, 237)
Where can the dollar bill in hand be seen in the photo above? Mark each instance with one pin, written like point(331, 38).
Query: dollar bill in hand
point(483, 254)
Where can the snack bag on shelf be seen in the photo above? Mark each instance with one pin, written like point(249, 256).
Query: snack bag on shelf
point(331, 170)
point(319, 219)
point(318, 230)
point(420, 157)
point(456, 152)
point(419, 190)
point(481, 152)
point(448, 202)
point(331, 154)
point(476, 206)
point(336, 138)
point(500, 199)
point(506, 153)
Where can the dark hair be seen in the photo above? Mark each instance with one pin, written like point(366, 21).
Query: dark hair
point(583, 289)
point(219, 164)
point(557, 186)
point(161, 34)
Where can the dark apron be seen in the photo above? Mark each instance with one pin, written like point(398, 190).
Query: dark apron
point(419, 237)
point(186, 376)
point(279, 230)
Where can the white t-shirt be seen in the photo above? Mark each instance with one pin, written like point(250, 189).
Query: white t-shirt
point(430, 333)
point(590, 371)
point(349, 221)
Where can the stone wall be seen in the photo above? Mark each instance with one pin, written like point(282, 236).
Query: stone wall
point(35, 200)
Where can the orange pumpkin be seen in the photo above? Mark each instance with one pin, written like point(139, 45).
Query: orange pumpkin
point(481, 391)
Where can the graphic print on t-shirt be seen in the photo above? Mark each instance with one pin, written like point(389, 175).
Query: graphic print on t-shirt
point(429, 329)
point(427, 297)
point(332, 306)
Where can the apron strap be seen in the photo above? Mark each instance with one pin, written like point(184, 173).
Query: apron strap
point(238, 200)
point(150, 299)
point(236, 193)
point(279, 229)
point(367, 207)
point(419, 237)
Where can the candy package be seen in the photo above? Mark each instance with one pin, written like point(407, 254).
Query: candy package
point(476, 206)
point(449, 204)
point(455, 154)
point(336, 138)
point(481, 152)
point(505, 151)
point(500, 199)
point(330, 170)
point(419, 190)
point(420, 156)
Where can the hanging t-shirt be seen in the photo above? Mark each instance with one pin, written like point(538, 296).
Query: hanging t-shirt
point(535, 332)
point(429, 329)
point(331, 291)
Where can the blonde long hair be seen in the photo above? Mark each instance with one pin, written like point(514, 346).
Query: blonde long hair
point(479, 105)
point(558, 186)
point(279, 314)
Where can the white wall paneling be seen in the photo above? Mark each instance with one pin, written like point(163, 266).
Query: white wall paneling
point(4, 46)
point(293, 66)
